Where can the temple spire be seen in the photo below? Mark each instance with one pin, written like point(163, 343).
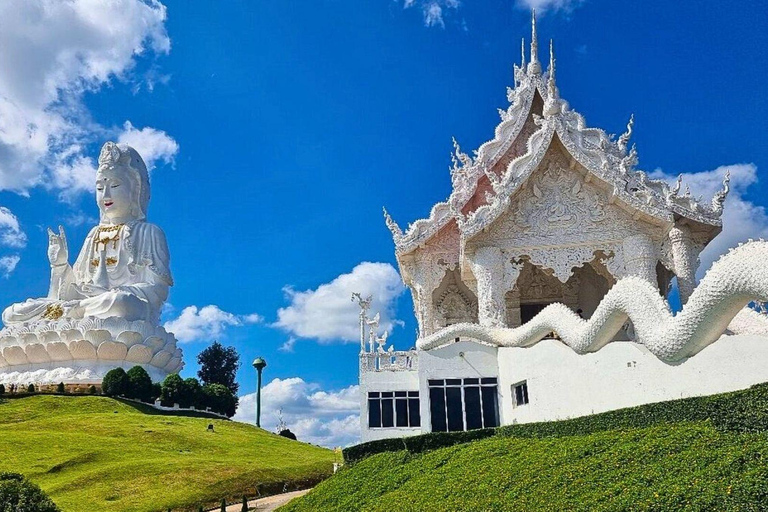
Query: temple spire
point(551, 79)
point(535, 65)
point(522, 52)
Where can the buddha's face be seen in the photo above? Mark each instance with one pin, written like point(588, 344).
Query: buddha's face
point(114, 195)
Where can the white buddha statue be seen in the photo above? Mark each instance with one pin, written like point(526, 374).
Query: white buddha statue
point(123, 267)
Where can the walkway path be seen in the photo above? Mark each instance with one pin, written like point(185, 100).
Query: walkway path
point(268, 504)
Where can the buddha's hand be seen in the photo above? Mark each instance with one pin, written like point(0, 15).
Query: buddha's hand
point(58, 253)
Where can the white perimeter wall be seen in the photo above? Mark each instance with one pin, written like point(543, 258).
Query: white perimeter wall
point(563, 384)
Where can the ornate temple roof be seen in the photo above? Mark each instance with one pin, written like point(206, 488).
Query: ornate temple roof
point(535, 120)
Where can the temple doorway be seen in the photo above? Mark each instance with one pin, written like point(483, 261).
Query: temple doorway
point(528, 311)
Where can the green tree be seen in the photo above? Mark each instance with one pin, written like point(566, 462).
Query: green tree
point(60, 388)
point(220, 399)
point(139, 384)
point(115, 383)
point(219, 365)
point(31, 388)
point(245, 504)
point(91, 389)
point(2, 389)
point(193, 393)
point(172, 391)
point(157, 390)
point(223, 505)
point(19, 494)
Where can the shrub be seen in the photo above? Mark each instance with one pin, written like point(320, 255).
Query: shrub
point(220, 399)
point(2, 389)
point(60, 388)
point(31, 388)
point(91, 389)
point(139, 384)
point(172, 391)
point(115, 383)
point(19, 494)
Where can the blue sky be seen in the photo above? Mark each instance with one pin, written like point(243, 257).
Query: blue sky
point(278, 130)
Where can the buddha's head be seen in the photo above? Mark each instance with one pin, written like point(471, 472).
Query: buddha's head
point(122, 184)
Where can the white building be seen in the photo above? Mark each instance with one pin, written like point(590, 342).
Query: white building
point(550, 211)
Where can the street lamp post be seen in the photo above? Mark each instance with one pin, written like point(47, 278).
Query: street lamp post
point(259, 364)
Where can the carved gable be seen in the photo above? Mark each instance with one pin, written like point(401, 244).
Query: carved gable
point(558, 207)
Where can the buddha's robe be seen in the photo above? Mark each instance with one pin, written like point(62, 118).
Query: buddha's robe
point(134, 270)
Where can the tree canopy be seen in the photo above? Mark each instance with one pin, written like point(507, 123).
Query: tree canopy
point(219, 365)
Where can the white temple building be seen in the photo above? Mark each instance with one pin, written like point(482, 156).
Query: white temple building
point(552, 212)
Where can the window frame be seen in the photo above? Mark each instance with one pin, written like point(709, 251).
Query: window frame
point(408, 399)
point(462, 384)
point(523, 386)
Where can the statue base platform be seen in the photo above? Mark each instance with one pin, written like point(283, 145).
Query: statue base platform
point(83, 351)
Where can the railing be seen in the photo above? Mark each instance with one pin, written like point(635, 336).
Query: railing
point(395, 361)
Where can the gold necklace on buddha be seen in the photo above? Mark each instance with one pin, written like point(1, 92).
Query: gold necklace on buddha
point(104, 235)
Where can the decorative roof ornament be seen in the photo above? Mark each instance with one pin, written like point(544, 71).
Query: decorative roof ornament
point(551, 70)
point(719, 198)
point(624, 138)
point(535, 65)
point(551, 105)
point(397, 233)
point(522, 53)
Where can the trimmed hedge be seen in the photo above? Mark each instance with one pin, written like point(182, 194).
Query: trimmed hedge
point(738, 411)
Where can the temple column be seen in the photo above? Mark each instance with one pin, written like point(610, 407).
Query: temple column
point(685, 258)
point(423, 279)
point(640, 258)
point(495, 275)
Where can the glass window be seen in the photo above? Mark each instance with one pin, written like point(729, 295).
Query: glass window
point(520, 391)
point(374, 411)
point(437, 409)
point(387, 414)
point(393, 408)
point(463, 404)
point(401, 412)
point(454, 408)
point(472, 408)
point(490, 406)
point(414, 414)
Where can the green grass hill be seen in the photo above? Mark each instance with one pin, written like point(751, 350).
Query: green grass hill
point(698, 454)
point(98, 454)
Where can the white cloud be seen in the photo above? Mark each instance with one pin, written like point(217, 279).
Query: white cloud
point(153, 145)
point(328, 313)
point(546, 5)
point(326, 418)
point(742, 219)
point(288, 345)
point(11, 234)
point(206, 323)
point(433, 10)
point(51, 54)
point(8, 264)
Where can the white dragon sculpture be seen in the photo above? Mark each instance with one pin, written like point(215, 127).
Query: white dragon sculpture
point(716, 305)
